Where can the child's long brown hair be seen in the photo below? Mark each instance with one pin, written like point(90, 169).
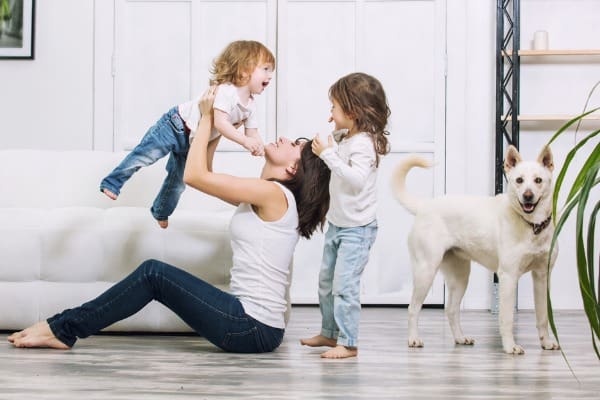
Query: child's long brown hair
point(362, 98)
point(238, 60)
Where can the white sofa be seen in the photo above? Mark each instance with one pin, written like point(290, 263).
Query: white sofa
point(62, 242)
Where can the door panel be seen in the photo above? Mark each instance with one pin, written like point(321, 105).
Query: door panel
point(152, 64)
point(402, 43)
point(164, 51)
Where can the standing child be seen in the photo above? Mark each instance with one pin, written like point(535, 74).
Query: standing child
point(242, 70)
point(360, 113)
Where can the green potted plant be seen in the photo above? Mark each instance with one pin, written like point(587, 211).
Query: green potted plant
point(587, 207)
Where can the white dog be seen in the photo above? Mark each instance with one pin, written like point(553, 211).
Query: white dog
point(509, 234)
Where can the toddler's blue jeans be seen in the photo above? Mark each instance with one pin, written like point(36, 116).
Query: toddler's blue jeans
point(168, 135)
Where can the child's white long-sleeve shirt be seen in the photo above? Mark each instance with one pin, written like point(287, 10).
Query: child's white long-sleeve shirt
point(353, 184)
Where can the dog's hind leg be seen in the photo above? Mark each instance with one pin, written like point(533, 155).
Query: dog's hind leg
point(540, 295)
point(423, 275)
point(426, 255)
point(456, 272)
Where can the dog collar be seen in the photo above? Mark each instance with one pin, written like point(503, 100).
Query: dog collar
point(537, 228)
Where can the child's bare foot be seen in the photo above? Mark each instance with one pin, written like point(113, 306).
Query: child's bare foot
point(37, 335)
point(318, 341)
point(109, 194)
point(340, 352)
point(163, 224)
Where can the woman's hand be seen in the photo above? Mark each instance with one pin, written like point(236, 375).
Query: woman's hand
point(207, 100)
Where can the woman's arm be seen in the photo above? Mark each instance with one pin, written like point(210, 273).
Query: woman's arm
point(267, 197)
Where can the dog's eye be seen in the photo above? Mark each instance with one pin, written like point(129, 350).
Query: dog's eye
point(538, 180)
point(519, 180)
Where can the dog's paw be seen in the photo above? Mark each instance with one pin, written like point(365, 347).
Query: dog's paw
point(465, 340)
point(548, 344)
point(415, 342)
point(514, 349)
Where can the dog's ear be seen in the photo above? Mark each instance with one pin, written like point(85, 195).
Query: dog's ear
point(545, 158)
point(512, 158)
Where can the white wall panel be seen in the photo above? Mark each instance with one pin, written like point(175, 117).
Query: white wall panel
point(152, 64)
point(164, 51)
point(402, 43)
point(217, 23)
point(47, 102)
point(401, 49)
point(316, 46)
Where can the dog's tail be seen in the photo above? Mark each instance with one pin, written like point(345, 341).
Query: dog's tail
point(409, 201)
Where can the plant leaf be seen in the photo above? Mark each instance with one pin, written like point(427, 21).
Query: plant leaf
point(565, 168)
point(592, 160)
point(590, 301)
point(571, 122)
point(590, 252)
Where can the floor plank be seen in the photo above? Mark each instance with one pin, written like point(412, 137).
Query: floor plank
point(181, 367)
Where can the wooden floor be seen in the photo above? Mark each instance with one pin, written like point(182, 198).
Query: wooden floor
point(187, 367)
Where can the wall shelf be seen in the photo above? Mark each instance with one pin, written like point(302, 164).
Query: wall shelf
point(550, 117)
point(535, 53)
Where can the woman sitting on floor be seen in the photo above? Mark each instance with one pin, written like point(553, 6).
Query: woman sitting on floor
point(289, 200)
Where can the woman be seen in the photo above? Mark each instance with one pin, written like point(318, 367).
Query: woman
point(290, 199)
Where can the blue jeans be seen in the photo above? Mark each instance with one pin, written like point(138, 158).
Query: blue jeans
point(166, 136)
point(212, 313)
point(345, 254)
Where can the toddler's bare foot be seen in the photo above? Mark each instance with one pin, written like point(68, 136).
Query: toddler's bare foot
point(37, 335)
point(109, 194)
point(340, 352)
point(163, 224)
point(318, 341)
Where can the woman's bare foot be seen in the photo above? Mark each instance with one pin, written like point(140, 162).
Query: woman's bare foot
point(163, 224)
point(340, 352)
point(318, 341)
point(109, 194)
point(12, 337)
point(37, 335)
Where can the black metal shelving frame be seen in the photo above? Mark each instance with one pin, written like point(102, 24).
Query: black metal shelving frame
point(507, 81)
point(508, 20)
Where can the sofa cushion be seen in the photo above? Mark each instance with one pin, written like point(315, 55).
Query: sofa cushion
point(63, 242)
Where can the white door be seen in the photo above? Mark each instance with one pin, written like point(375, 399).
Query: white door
point(162, 55)
point(402, 43)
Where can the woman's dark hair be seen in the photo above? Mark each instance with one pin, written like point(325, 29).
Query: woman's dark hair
point(310, 186)
point(362, 97)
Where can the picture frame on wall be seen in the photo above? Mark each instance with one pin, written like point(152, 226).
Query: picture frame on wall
point(17, 27)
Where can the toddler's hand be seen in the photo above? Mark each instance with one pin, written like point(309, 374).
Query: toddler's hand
point(254, 146)
point(259, 152)
point(318, 146)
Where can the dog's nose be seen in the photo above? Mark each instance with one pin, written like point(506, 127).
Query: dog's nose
point(528, 196)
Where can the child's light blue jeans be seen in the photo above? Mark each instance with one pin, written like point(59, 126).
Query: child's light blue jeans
point(345, 254)
point(168, 135)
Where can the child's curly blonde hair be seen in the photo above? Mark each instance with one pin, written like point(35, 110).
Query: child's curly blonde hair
point(237, 62)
